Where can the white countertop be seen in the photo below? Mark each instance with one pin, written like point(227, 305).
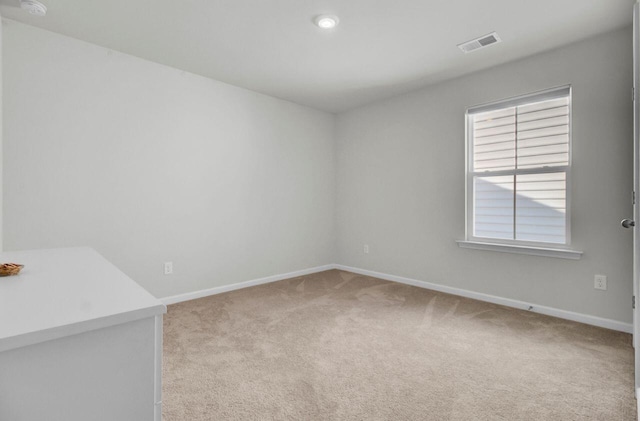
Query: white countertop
point(62, 292)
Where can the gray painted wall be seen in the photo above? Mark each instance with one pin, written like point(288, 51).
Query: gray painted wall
point(401, 185)
point(149, 164)
point(1, 134)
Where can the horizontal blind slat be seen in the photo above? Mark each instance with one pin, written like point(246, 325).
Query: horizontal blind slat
point(489, 140)
point(543, 123)
point(499, 146)
point(493, 122)
point(493, 131)
point(544, 113)
point(491, 155)
point(562, 139)
point(543, 132)
point(542, 105)
point(543, 150)
point(491, 115)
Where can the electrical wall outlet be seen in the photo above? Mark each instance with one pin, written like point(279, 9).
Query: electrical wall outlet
point(366, 249)
point(600, 282)
point(168, 268)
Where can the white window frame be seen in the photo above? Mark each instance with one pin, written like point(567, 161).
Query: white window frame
point(512, 245)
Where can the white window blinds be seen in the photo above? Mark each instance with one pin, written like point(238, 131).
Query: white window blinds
point(518, 168)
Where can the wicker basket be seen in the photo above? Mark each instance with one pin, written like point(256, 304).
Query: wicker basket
point(8, 269)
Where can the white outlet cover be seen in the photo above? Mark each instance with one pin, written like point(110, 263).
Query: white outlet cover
point(168, 268)
point(600, 282)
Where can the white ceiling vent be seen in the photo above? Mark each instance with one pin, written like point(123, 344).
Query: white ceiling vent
point(476, 44)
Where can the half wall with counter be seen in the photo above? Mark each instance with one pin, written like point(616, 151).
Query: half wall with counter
point(79, 340)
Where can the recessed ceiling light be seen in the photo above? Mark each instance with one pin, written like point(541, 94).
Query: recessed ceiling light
point(34, 7)
point(327, 21)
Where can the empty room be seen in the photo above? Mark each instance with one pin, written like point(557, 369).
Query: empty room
point(319, 210)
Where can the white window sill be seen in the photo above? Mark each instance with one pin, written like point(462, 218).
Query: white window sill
point(519, 249)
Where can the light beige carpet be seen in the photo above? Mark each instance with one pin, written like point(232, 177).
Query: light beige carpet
point(339, 346)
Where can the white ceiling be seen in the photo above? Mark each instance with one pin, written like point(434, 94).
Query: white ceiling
point(381, 47)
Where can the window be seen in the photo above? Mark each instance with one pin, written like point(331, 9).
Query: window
point(519, 162)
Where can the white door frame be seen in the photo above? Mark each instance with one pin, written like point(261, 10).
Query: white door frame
point(636, 188)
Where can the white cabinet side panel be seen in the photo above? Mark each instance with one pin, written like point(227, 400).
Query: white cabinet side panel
point(102, 375)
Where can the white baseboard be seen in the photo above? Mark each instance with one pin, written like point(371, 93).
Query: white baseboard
point(226, 288)
point(549, 311)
